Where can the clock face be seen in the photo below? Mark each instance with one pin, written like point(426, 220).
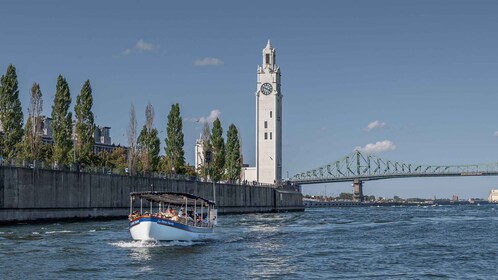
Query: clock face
point(266, 88)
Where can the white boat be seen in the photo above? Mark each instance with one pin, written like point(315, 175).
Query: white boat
point(168, 216)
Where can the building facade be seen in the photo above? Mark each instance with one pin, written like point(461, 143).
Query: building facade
point(199, 154)
point(268, 119)
point(493, 196)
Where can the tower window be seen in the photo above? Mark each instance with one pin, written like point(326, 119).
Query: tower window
point(266, 135)
point(270, 135)
point(266, 124)
point(270, 114)
point(267, 58)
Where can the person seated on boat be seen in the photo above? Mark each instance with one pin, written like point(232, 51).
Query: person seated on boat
point(199, 219)
point(133, 215)
point(166, 214)
point(174, 216)
point(146, 213)
point(181, 213)
point(170, 213)
point(190, 216)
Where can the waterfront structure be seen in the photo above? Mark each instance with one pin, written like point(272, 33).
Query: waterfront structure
point(268, 119)
point(199, 154)
point(358, 168)
point(493, 196)
point(268, 169)
point(101, 134)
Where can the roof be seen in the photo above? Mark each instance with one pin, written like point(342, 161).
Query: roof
point(172, 198)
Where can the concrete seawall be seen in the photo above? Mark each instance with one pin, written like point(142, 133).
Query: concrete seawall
point(33, 194)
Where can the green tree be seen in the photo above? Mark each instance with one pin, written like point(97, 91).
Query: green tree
point(132, 141)
point(27, 140)
point(61, 123)
point(101, 159)
point(346, 196)
point(233, 162)
point(32, 139)
point(46, 152)
point(174, 140)
point(164, 164)
point(85, 126)
point(218, 151)
point(118, 158)
point(203, 170)
point(11, 116)
point(149, 143)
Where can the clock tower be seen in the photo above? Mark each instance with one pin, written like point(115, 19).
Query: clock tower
point(268, 119)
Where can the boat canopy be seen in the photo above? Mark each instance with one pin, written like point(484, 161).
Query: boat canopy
point(172, 198)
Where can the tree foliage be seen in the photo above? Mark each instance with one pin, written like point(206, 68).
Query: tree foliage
point(85, 126)
point(132, 141)
point(149, 143)
point(218, 151)
point(118, 158)
point(233, 162)
point(174, 140)
point(32, 139)
point(346, 196)
point(11, 116)
point(149, 146)
point(61, 123)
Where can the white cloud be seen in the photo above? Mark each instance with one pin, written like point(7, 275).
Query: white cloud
point(375, 124)
point(378, 147)
point(140, 47)
point(207, 119)
point(495, 134)
point(208, 61)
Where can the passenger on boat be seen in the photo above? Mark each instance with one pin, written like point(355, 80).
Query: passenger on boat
point(181, 213)
point(133, 215)
point(173, 215)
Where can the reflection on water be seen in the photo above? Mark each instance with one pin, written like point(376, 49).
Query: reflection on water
point(378, 242)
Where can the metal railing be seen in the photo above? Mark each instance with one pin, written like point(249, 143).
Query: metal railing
point(118, 171)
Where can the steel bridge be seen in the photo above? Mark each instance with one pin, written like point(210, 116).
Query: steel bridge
point(357, 168)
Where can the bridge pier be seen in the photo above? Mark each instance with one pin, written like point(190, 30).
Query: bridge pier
point(357, 190)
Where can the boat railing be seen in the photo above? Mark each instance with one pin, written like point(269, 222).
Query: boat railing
point(181, 220)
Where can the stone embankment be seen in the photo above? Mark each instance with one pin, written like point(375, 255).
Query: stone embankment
point(28, 194)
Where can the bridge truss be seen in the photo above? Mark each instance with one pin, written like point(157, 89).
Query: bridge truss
point(359, 167)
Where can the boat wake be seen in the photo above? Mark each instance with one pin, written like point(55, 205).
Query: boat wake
point(58, 231)
point(152, 244)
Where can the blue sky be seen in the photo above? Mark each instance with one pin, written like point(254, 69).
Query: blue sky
point(426, 71)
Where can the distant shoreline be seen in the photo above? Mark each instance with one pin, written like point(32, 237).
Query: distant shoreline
point(324, 204)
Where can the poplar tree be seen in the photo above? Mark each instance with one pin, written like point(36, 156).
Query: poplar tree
point(233, 161)
point(11, 116)
point(218, 151)
point(85, 126)
point(206, 146)
point(61, 123)
point(174, 140)
point(149, 142)
point(132, 141)
point(32, 140)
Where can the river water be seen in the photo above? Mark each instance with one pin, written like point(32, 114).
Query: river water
point(445, 242)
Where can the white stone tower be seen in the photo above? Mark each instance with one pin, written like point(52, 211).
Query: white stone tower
point(268, 119)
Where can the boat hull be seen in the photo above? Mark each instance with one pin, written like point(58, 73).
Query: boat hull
point(153, 228)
